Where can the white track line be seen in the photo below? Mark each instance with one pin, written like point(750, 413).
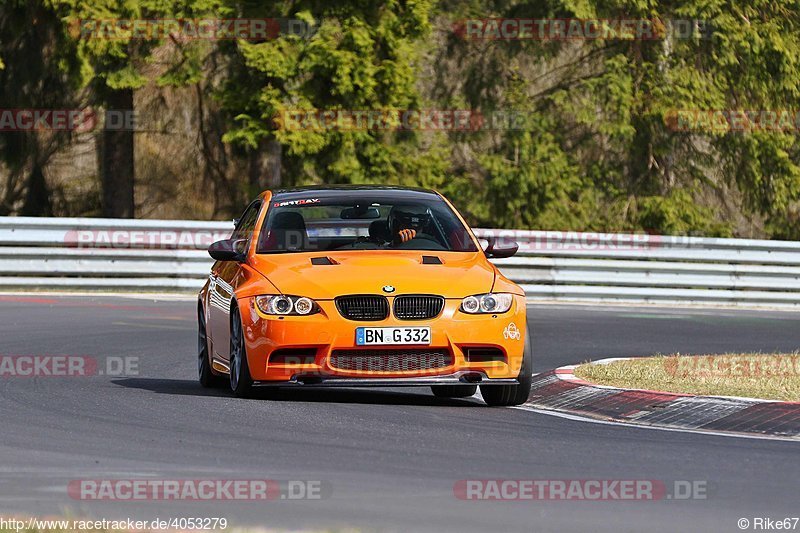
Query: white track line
point(578, 418)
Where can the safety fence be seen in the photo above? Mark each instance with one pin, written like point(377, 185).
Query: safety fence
point(170, 255)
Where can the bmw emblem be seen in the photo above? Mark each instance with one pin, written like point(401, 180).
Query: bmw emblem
point(388, 288)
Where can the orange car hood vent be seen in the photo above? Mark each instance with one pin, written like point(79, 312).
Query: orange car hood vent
point(323, 261)
point(431, 260)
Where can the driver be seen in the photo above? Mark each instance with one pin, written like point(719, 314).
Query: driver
point(403, 226)
point(380, 233)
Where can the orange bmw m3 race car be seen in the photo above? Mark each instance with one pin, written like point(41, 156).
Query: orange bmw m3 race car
point(362, 286)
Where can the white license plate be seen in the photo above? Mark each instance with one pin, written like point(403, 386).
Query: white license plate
point(373, 336)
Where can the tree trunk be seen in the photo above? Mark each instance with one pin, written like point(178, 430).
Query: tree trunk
point(265, 166)
point(117, 168)
point(37, 198)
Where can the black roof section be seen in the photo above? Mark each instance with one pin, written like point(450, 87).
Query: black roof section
point(348, 191)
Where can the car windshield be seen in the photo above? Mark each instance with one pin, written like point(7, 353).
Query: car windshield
point(362, 223)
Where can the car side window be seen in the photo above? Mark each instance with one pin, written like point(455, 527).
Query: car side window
point(247, 223)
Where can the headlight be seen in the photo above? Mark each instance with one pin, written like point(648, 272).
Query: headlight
point(471, 304)
point(303, 306)
point(493, 302)
point(280, 304)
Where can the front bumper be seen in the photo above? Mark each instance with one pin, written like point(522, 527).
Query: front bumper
point(452, 331)
point(462, 377)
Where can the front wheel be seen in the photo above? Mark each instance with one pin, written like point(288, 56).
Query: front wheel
point(504, 395)
point(241, 381)
point(453, 391)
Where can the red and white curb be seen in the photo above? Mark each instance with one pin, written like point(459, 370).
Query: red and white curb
point(561, 391)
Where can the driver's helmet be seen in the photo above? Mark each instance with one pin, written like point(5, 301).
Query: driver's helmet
point(400, 219)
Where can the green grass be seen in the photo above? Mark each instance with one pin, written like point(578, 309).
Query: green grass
point(770, 377)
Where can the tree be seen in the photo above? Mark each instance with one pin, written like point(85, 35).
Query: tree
point(40, 70)
point(360, 56)
point(115, 53)
point(597, 150)
point(590, 132)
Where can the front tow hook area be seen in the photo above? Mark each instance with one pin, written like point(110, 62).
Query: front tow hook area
point(471, 377)
point(308, 380)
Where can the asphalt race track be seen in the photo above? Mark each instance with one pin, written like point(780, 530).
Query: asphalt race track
point(388, 459)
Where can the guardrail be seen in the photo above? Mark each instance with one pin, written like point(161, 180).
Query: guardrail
point(168, 255)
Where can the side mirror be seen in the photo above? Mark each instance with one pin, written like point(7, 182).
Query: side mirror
point(228, 250)
point(500, 247)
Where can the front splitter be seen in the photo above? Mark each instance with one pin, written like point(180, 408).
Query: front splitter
point(457, 378)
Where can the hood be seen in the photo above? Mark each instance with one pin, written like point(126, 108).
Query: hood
point(332, 274)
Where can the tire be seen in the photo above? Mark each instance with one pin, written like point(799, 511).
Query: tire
point(505, 395)
point(208, 379)
point(241, 381)
point(453, 391)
